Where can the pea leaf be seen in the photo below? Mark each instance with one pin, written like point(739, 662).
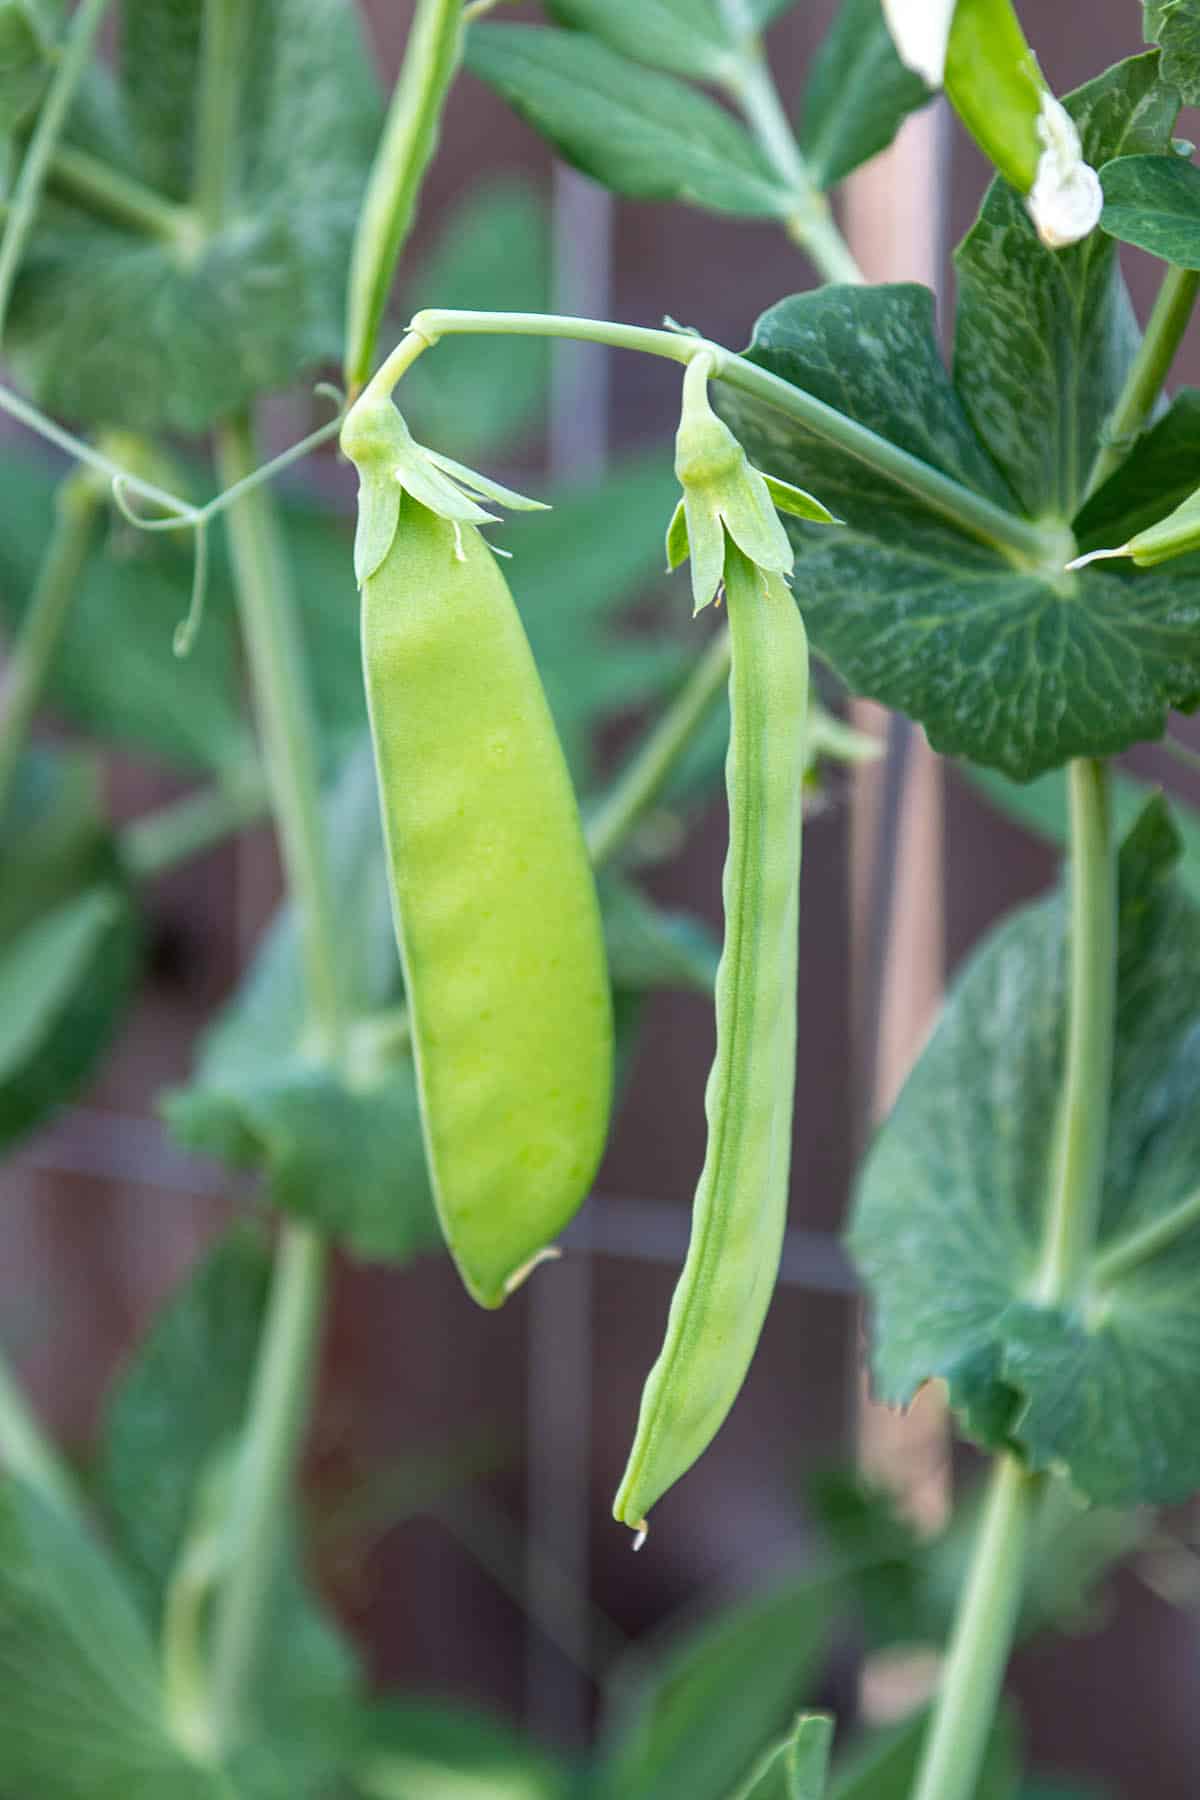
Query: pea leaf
point(639, 132)
point(1014, 669)
point(173, 1414)
point(69, 940)
point(1175, 24)
point(427, 1747)
point(26, 52)
point(1154, 202)
point(1160, 471)
point(494, 252)
point(81, 1709)
point(797, 1768)
point(958, 1175)
point(688, 37)
point(1044, 338)
point(177, 325)
point(262, 1097)
point(858, 94)
point(672, 1730)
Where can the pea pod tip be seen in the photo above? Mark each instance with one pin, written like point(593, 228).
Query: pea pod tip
point(549, 1253)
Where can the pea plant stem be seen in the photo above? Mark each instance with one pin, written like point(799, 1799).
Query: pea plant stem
point(810, 224)
point(282, 1379)
point(187, 827)
point(647, 772)
point(37, 640)
point(1164, 332)
point(983, 1631)
point(222, 54)
point(408, 142)
point(1021, 539)
point(1081, 1132)
point(118, 197)
point(43, 143)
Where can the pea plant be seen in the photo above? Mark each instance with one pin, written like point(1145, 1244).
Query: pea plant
point(425, 1049)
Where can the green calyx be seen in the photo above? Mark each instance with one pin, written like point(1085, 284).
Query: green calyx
point(391, 463)
point(725, 499)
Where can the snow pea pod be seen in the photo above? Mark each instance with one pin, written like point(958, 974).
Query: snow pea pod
point(740, 1209)
point(493, 898)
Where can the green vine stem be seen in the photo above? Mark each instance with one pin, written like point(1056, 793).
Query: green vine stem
point(185, 828)
point(650, 767)
point(117, 197)
point(279, 1396)
point(51, 122)
point(810, 225)
point(983, 1631)
point(408, 142)
point(1130, 1252)
point(77, 504)
point(223, 51)
point(27, 1453)
point(1081, 1130)
point(1164, 332)
point(1028, 544)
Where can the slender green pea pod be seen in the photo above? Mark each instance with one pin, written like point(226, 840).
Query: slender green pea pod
point(1178, 534)
point(492, 892)
point(740, 1210)
point(977, 51)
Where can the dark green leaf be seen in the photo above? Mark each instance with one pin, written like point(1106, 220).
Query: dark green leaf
point(637, 131)
point(957, 1177)
point(887, 1769)
point(178, 328)
point(495, 253)
point(54, 836)
point(1044, 338)
point(1161, 470)
point(26, 52)
point(65, 983)
point(1014, 669)
point(675, 1732)
point(797, 1768)
point(339, 1146)
point(1154, 202)
point(81, 1710)
point(858, 94)
point(180, 1401)
point(1175, 24)
point(115, 672)
point(420, 1747)
point(688, 37)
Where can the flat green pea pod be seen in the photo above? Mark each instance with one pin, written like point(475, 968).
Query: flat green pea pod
point(740, 1209)
point(494, 902)
point(977, 51)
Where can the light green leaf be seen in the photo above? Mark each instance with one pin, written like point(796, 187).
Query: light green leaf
point(1013, 669)
point(887, 1768)
point(1044, 338)
point(1175, 24)
point(441, 1752)
point(688, 37)
point(858, 94)
point(494, 252)
point(957, 1177)
point(1154, 202)
point(120, 326)
point(1160, 471)
point(81, 1712)
point(639, 132)
point(26, 60)
point(673, 1731)
point(797, 1768)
